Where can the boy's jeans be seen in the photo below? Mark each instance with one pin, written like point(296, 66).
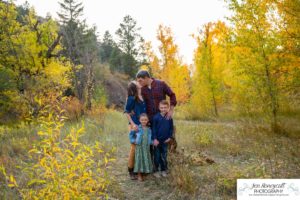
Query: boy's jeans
point(160, 157)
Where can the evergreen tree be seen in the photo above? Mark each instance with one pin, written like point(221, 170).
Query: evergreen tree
point(71, 10)
point(72, 29)
point(131, 43)
point(106, 47)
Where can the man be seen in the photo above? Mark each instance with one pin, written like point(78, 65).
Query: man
point(153, 92)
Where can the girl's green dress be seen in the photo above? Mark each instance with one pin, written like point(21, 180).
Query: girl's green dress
point(143, 162)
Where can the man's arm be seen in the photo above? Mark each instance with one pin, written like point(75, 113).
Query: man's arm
point(170, 133)
point(168, 91)
point(172, 128)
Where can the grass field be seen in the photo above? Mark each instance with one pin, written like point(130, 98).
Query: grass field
point(210, 157)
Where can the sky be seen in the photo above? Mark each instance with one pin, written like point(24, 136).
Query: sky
point(185, 17)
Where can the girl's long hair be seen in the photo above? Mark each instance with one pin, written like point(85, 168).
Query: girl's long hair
point(132, 90)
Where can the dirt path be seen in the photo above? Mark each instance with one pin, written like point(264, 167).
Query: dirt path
point(151, 188)
point(116, 134)
point(122, 187)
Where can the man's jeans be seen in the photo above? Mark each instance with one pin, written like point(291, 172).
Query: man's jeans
point(160, 157)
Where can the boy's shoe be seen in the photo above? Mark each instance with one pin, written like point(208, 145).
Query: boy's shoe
point(164, 174)
point(156, 174)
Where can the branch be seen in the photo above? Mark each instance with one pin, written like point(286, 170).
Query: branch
point(52, 47)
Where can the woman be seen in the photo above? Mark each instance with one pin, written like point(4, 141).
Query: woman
point(134, 107)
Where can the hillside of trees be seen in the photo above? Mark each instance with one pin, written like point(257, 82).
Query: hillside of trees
point(245, 69)
point(247, 66)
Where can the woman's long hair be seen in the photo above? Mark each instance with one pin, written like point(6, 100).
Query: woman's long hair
point(132, 90)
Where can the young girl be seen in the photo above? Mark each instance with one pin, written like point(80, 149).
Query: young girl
point(135, 106)
point(143, 140)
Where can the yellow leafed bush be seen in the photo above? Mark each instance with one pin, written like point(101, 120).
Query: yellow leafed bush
point(63, 167)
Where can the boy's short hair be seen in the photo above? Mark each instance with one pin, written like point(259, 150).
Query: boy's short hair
point(143, 74)
point(164, 102)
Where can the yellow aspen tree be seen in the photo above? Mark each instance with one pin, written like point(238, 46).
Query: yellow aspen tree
point(288, 13)
point(29, 55)
point(153, 60)
point(210, 63)
point(262, 57)
point(175, 73)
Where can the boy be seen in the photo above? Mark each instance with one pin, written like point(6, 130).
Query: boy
point(162, 131)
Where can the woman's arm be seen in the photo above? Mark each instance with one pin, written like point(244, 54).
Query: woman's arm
point(128, 109)
point(133, 125)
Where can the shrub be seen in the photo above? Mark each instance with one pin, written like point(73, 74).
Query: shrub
point(180, 173)
point(203, 137)
point(73, 107)
point(189, 111)
point(63, 167)
point(227, 179)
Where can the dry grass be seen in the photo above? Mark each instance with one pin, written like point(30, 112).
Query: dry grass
point(210, 157)
point(240, 150)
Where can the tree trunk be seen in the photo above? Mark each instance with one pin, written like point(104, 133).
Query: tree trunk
point(272, 95)
point(90, 87)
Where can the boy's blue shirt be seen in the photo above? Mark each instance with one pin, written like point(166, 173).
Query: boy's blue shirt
point(162, 128)
point(136, 137)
